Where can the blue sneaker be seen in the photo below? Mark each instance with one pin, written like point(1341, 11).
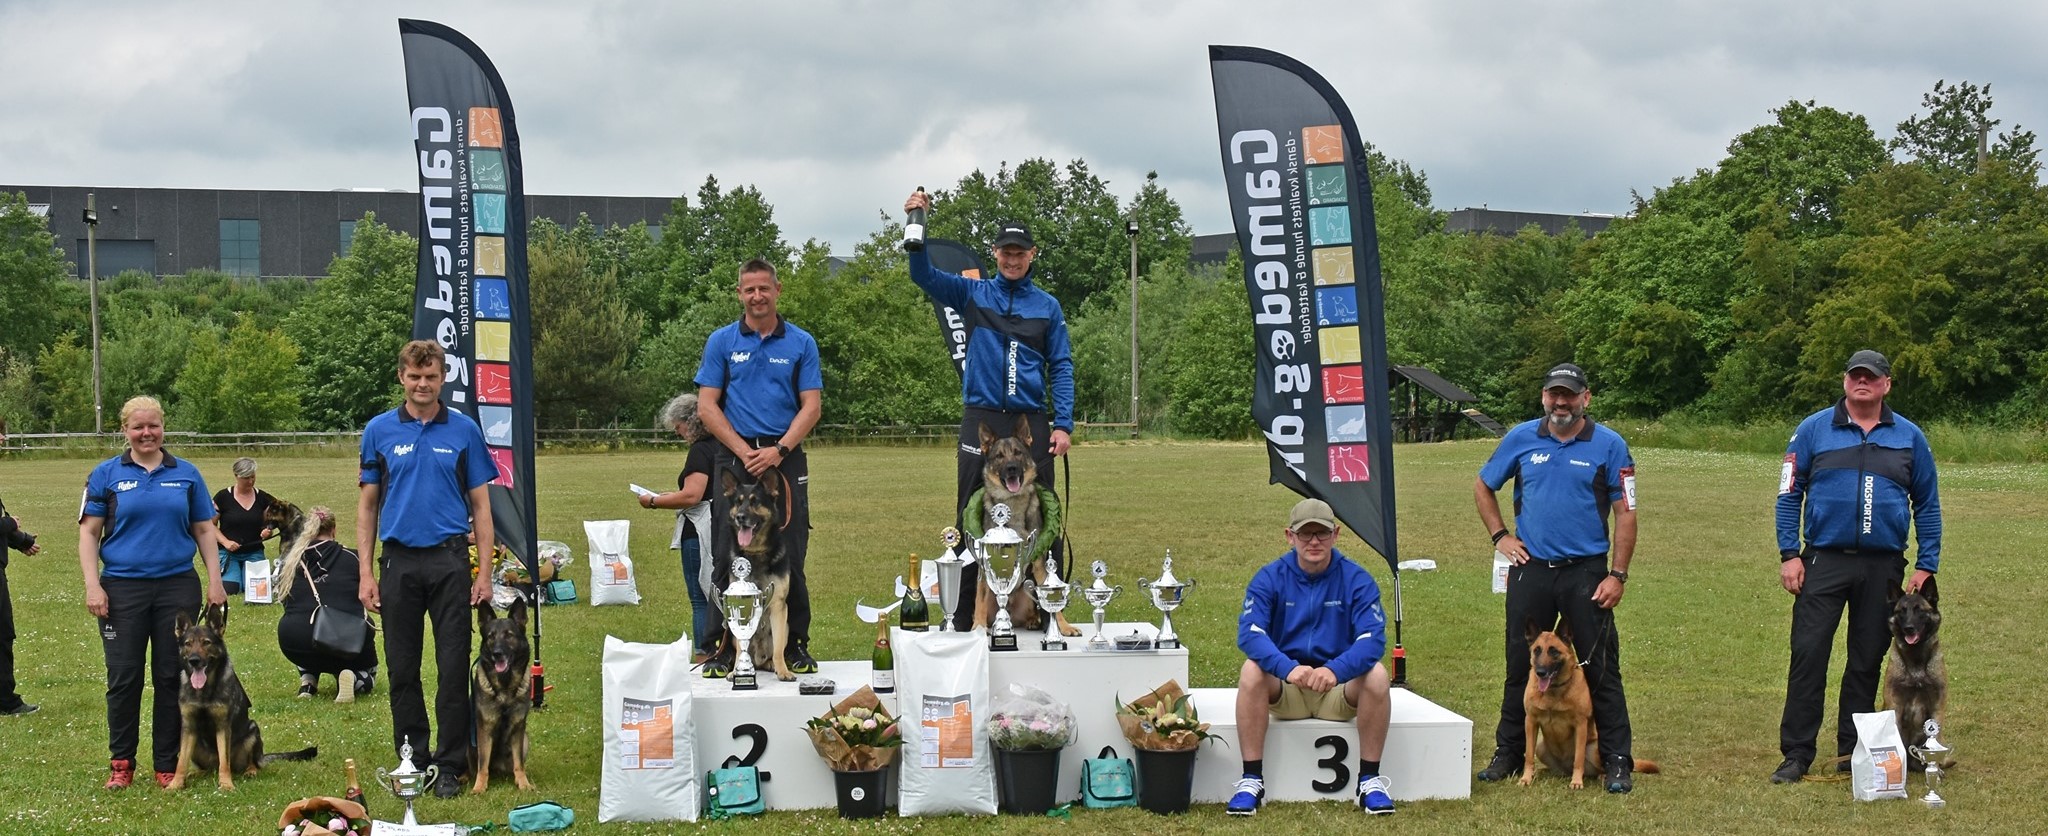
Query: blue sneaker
point(1251, 790)
point(1372, 795)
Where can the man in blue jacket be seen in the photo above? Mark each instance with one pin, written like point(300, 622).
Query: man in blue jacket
point(1861, 473)
point(1312, 633)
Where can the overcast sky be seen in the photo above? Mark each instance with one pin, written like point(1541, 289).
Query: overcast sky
point(836, 110)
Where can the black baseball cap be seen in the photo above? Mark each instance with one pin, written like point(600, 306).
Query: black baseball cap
point(1867, 359)
point(1566, 375)
point(1012, 232)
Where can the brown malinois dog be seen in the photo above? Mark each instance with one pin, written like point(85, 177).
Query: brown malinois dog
point(1557, 706)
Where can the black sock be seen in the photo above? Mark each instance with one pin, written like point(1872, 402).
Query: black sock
point(1256, 769)
point(1367, 769)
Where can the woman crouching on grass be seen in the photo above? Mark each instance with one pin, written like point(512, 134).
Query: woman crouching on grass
point(326, 573)
point(146, 514)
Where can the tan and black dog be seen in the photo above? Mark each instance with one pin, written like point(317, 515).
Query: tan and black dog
point(757, 510)
point(1915, 677)
point(1557, 706)
point(1009, 476)
point(218, 735)
point(501, 691)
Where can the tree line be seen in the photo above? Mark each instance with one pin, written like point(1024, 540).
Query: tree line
point(1730, 295)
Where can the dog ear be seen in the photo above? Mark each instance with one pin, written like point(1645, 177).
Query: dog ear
point(1893, 594)
point(485, 614)
point(988, 437)
point(1024, 431)
point(771, 482)
point(1564, 631)
point(217, 618)
point(1928, 592)
point(184, 622)
point(518, 614)
point(1532, 629)
point(727, 483)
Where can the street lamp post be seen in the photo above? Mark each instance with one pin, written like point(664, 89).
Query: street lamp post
point(1131, 232)
point(92, 278)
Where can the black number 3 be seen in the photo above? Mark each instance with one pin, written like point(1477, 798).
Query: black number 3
point(1340, 751)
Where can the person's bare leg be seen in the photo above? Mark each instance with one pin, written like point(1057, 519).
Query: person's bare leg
point(1256, 691)
point(1369, 694)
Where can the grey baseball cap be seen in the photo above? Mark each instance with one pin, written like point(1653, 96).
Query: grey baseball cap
point(1311, 512)
point(1867, 359)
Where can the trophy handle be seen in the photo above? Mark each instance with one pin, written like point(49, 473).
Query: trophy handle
point(433, 772)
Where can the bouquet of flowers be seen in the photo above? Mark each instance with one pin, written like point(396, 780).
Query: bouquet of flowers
point(1028, 719)
point(508, 572)
point(1164, 720)
point(324, 816)
point(856, 735)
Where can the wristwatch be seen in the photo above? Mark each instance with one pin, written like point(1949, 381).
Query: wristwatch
point(781, 450)
point(1617, 574)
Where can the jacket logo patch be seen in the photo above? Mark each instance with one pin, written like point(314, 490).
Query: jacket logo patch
point(401, 450)
point(127, 485)
point(741, 356)
point(1538, 458)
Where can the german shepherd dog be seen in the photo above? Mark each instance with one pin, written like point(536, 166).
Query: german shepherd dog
point(1009, 476)
point(501, 693)
point(217, 733)
point(1557, 706)
point(756, 512)
point(290, 522)
point(1916, 678)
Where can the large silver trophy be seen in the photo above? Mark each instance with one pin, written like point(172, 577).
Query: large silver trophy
point(743, 619)
point(1001, 546)
point(408, 782)
point(1052, 596)
point(1098, 595)
point(1930, 753)
point(951, 567)
point(1167, 594)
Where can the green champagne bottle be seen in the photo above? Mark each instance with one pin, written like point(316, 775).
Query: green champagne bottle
point(915, 612)
point(885, 658)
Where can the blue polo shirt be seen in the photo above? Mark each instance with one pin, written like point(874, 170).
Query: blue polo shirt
point(761, 375)
point(425, 470)
point(149, 515)
point(1564, 487)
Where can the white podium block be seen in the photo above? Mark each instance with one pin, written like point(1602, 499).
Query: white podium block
point(1088, 682)
point(771, 720)
point(1428, 753)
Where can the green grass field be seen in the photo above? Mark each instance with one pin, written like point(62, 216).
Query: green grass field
point(1703, 631)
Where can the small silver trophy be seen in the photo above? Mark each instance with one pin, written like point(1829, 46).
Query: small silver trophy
point(1930, 753)
point(1167, 594)
point(407, 782)
point(951, 568)
point(742, 620)
point(1052, 597)
point(1099, 595)
point(1001, 545)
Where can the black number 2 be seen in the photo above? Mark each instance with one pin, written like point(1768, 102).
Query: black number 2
point(1340, 752)
point(760, 737)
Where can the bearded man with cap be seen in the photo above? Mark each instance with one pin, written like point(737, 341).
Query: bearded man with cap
point(1860, 473)
point(1570, 476)
point(1312, 632)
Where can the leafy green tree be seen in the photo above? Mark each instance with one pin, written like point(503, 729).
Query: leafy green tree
point(32, 271)
point(244, 382)
point(697, 260)
point(583, 334)
point(144, 350)
point(878, 342)
point(1956, 127)
point(349, 331)
point(1075, 221)
point(21, 403)
point(1214, 361)
point(201, 405)
point(64, 377)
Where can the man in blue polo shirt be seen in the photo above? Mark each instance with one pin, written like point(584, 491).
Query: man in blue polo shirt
point(759, 392)
point(428, 466)
point(1861, 473)
point(1570, 474)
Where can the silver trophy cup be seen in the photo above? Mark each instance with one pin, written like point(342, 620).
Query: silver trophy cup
point(1052, 596)
point(1001, 547)
point(1098, 595)
point(1167, 594)
point(1930, 753)
point(408, 782)
point(742, 620)
point(952, 569)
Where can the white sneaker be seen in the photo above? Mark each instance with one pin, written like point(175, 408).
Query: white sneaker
point(347, 691)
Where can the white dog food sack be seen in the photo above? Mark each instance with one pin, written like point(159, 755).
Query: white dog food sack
point(942, 699)
point(1877, 768)
point(256, 578)
point(611, 568)
point(650, 748)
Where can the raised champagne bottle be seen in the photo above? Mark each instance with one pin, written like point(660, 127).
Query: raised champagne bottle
point(885, 658)
point(915, 611)
point(913, 228)
point(355, 786)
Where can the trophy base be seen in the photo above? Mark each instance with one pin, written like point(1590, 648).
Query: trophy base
point(744, 682)
point(1167, 643)
point(1002, 642)
point(1933, 802)
point(1052, 644)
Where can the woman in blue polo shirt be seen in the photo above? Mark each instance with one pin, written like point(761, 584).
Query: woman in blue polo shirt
point(146, 513)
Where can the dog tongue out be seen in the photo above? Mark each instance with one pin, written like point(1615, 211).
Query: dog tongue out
point(1014, 485)
point(198, 680)
point(1912, 638)
point(744, 535)
point(1542, 683)
point(501, 665)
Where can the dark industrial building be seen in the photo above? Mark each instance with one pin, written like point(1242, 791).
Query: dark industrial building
point(264, 233)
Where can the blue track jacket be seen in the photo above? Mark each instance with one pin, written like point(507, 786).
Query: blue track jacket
point(1017, 335)
point(1858, 490)
point(1328, 620)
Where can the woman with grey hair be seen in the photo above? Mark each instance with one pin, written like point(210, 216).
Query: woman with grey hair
point(691, 501)
point(242, 529)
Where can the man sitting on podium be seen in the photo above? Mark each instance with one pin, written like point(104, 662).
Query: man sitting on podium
point(1312, 633)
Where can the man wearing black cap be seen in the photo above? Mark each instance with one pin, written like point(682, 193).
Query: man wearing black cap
point(1860, 473)
point(1019, 362)
point(1570, 474)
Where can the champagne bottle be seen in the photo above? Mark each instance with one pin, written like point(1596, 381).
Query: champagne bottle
point(885, 658)
point(913, 229)
point(355, 786)
point(915, 612)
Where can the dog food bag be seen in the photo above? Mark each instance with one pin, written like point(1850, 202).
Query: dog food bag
point(942, 699)
point(256, 579)
point(611, 568)
point(650, 748)
point(1877, 769)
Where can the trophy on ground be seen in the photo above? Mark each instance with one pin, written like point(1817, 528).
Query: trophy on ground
point(1167, 594)
point(742, 619)
point(1002, 546)
point(1099, 595)
point(951, 567)
point(408, 782)
point(1052, 596)
point(1930, 754)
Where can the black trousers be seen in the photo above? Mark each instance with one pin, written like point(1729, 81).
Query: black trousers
point(796, 538)
point(1543, 591)
point(142, 617)
point(418, 585)
point(1834, 580)
point(970, 461)
point(9, 697)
